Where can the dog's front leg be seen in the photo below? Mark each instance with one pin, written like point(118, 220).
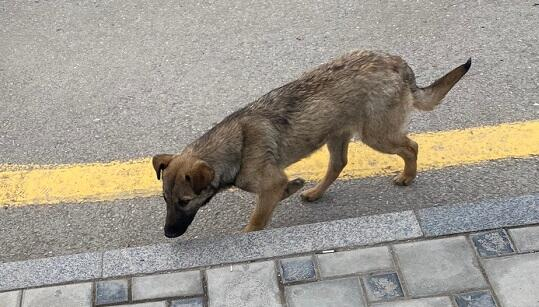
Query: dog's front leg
point(338, 157)
point(272, 188)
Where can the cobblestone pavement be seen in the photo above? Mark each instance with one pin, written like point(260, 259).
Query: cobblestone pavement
point(497, 267)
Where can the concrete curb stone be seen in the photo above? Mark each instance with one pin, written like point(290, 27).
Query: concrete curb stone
point(262, 244)
point(487, 214)
point(53, 270)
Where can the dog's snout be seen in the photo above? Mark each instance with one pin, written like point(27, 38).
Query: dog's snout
point(177, 224)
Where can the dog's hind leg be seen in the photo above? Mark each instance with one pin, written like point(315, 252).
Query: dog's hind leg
point(400, 145)
point(408, 152)
point(338, 157)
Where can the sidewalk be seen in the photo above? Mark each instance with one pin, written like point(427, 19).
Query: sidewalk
point(482, 254)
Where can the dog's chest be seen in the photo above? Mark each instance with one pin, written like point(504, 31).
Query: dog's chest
point(227, 177)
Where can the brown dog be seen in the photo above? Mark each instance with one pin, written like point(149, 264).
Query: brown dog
point(365, 94)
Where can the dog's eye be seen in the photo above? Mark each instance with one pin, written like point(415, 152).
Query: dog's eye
point(187, 178)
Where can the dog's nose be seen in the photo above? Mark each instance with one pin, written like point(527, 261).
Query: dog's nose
point(173, 232)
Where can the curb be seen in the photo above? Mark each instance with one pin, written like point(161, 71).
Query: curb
point(279, 242)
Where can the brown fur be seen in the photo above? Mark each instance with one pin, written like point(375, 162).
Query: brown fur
point(363, 93)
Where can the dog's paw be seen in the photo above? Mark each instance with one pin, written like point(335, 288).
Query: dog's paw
point(292, 187)
point(403, 180)
point(296, 184)
point(249, 228)
point(310, 195)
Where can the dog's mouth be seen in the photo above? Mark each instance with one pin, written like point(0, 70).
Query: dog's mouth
point(179, 227)
point(173, 233)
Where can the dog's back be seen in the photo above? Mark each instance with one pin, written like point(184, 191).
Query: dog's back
point(364, 93)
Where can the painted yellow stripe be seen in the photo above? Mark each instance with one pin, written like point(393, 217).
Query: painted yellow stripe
point(31, 184)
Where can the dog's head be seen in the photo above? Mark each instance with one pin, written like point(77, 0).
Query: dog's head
point(186, 188)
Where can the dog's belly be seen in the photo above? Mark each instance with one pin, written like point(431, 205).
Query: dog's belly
point(297, 146)
point(295, 152)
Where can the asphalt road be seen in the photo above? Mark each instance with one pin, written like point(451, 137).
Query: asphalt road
point(89, 81)
point(86, 81)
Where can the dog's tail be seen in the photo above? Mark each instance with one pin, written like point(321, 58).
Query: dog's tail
point(426, 99)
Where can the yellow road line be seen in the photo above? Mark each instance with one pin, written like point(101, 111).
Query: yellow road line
point(30, 184)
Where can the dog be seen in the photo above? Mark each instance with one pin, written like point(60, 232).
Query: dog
point(363, 94)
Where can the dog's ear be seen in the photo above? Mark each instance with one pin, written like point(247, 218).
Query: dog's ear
point(160, 162)
point(200, 176)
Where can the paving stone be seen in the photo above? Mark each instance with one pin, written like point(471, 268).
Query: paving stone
point(488, 214)
point(355, 261)
point(475, 299)
point(439, 266)
point(492, 243)
point(421, 302)
point(250, 284)
point(151, 304)
point(515, 279)
point(111, 291)
point(48, 271)
point(188, 302)
point(167, 285)
point(383, 286)
point(297, 269)
point(79, 295)
point(526, 239)
point(278, 242)
point(344, 292)
point(10, 299)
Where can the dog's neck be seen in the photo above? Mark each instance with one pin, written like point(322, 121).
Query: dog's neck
point(221, 148)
